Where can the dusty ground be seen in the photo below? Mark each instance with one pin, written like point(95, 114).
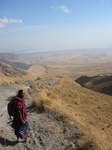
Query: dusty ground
point(46, 131)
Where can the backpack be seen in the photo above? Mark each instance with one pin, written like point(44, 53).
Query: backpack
point(11, 107)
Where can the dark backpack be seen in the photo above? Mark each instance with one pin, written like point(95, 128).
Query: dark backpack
point(11, 107)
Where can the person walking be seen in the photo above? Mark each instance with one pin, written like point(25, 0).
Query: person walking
point(20, 117)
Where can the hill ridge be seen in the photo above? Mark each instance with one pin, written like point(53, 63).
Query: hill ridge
point(89, 110)
point(101, 84)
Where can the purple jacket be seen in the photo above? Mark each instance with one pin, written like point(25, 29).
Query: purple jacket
point(21, 106)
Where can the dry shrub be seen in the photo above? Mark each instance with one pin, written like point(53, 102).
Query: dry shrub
point(42, 101)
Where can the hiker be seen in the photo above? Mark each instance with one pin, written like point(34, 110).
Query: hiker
point(20, 115)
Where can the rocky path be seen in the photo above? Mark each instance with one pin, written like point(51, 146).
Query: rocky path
point(46, 131)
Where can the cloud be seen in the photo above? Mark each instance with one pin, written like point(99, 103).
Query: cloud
point(1, 25)
point(63, 8)
point(4, 21)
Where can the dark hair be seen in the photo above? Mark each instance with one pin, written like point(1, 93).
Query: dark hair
point(21, 93)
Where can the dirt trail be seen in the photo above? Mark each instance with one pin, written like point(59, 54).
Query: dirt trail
point(46, 131)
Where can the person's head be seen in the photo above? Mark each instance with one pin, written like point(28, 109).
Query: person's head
point(21, 93)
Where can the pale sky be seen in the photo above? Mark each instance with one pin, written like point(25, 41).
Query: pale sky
point(28, 25)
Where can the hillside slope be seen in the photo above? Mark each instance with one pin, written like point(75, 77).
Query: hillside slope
point(64, 116)
point(14, 60)
point(89, 110)
point(8, 56)
point(47, 131)
point(10, 71)
point(10, 74)
point(101, 84)
point(14, 69)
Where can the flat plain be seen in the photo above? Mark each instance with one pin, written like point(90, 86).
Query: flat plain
point(73, 63)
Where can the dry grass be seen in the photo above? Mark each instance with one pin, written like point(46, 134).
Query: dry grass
point(89, 110)
point(4, 80)
point(32, 73)
point(35, 71)
point(77, 69)
point(75, 63)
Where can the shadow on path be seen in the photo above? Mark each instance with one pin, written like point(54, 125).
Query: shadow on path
point(6, 142)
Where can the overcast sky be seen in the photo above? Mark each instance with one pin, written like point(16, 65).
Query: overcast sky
point(28, 25)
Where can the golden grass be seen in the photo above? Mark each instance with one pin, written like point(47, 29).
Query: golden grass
point(4, 80)
point(32, 73)
point(35, 71)
point(89, 110)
